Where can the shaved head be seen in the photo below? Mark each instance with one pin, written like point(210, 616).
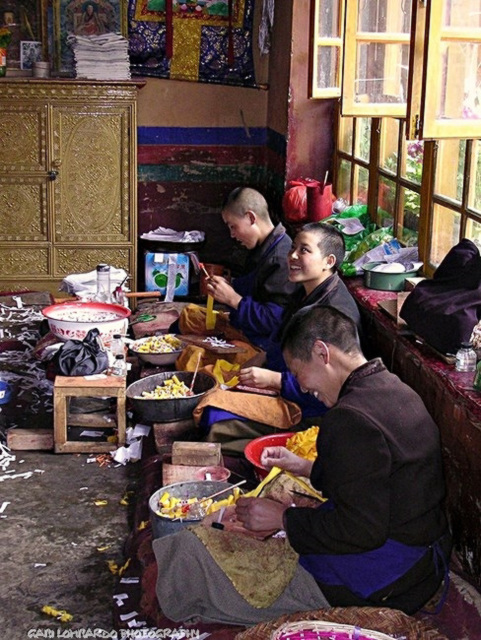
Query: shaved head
point(245, 199)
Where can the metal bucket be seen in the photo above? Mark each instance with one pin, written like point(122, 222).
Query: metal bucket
point(163, 526)
point(169, 410)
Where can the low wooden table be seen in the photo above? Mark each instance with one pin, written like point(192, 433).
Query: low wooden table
point(87, 387)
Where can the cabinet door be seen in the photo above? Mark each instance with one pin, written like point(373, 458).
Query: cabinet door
point(92, 191)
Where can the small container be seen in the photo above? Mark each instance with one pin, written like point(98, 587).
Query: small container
point(466, 358)
point(41, 69)
point(119, 367)
point(103, 283)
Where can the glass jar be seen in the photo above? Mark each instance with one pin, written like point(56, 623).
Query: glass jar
point(466, 358)
point(117, 345)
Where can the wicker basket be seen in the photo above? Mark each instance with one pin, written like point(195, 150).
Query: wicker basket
point(319, 630)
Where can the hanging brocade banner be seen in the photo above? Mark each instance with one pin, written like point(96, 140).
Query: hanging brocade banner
point(198, 40)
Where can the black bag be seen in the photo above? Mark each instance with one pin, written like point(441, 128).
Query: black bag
point(445, 309)
point(82, 357)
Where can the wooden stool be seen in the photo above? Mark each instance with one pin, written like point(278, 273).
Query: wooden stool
point(78, 386)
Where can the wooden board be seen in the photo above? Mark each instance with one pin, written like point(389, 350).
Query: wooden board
point(172, 473)
point(198, 341)
point(30, 439)
point(201, 454)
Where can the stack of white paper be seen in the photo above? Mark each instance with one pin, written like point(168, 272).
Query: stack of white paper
point(102, 57)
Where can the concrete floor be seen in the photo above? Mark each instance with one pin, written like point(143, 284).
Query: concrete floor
point(51, 539)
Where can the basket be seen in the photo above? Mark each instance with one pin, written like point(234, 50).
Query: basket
point(321, 630)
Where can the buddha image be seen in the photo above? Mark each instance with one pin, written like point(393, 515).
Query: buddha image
point(90, 17)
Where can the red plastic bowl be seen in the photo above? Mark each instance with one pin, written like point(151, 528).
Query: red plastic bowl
point(254, 448)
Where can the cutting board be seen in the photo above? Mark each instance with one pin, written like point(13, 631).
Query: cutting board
point(198, 341)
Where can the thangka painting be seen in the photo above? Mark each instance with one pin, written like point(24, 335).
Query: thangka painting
point(198, 40)
point(85, 18)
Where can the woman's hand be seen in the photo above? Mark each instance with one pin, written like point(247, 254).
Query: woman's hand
point(260, 378)
point(222, 292)
point(286, 460)
point(260, 514)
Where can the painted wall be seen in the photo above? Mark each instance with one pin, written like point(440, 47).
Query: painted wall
point(198, 141)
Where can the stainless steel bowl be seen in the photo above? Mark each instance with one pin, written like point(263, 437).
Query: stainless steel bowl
point(171, 409)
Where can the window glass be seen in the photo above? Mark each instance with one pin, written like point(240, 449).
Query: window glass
point(408, 223)
point(473, 231)
point(386, 202)
point(344, 181)
point(381, 73)
point(413, 155)
point(389, 144)
point(459, 95)
point(450, 163)
point(361, 184)
point(475, 183)
point(363, 138)
point(445, 232)
point(328, 18)
point(327, 66)
point(345, 134)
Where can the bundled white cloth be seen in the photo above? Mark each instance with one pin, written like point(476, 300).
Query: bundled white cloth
point(86, 283)
point(164, 234)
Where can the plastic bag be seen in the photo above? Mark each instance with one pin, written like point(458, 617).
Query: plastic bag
point(82, 357)
point(294, 202)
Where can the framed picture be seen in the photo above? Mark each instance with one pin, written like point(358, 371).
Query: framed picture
point(84, 18)
point(26, 22)
point(30, 52)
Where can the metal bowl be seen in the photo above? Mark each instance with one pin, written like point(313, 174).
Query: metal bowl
point(162, 525)
point(385, 281)
point(170, 409)
point(158, 359)
point(76, 329)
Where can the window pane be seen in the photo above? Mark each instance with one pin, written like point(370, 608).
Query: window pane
point(361, 184)
point(450, 169)
point(344, 181)
point(473, 231)
point(475, 184)
point(384, 16)
point(363, 138)
point(386, 202)
point(413, 161)
point(459, 93)
point(328, 67)
point(345, 134)
point(381, 73)
point(445, 232)
point(389, 144)
point(408, 224)
point(461, 13)
point(328, 19)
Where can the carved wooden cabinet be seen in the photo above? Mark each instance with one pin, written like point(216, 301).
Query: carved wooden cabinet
point(68, 179)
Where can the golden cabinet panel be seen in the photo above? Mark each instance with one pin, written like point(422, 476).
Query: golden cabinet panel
point(80, 260)
point(68, 179)
point(92, 186)
point(26, 262)
point(23, 137)
point(23, 209)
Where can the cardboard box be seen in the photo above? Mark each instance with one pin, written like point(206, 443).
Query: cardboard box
point(167, 272)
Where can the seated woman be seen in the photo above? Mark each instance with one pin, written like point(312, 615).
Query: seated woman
point(316, 252)
point(257, 299)
point(380, 540)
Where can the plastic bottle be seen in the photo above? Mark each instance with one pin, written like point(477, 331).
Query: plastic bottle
point(103, 283)
point(466, 358)
point(119, 368)
point(477, 377)
point(117, 345)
